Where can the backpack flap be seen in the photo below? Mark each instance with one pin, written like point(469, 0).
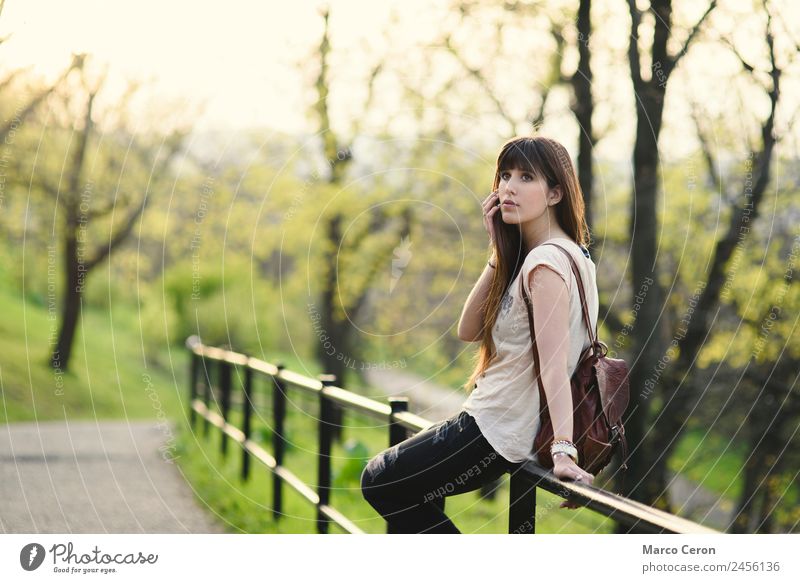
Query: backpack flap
point(612, 381)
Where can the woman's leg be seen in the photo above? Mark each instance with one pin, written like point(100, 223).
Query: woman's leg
point(408, 482)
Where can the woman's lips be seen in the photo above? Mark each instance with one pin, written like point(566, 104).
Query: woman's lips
point(509, 203)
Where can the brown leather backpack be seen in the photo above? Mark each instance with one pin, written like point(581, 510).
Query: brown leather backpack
point(600, 396)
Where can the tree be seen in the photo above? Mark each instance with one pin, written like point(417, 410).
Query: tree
point(646, 333)
point(679, 397)
point(339, 157)
point(81, 207)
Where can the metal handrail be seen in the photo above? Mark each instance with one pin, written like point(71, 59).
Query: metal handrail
point(523, 483)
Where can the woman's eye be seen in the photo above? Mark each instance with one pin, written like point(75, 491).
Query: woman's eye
point(507, 175)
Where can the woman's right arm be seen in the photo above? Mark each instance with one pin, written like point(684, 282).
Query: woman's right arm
point(471, 323)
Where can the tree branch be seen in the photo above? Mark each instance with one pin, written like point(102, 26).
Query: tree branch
point(555, 76)
point(673, 62)
point(705, 147)
point(481, 79)
point(77, 63)
point(116, 238)
point(743, 215)
point(633, 45)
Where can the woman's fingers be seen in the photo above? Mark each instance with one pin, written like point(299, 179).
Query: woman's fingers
point(489, 210)
point(489, 202)
point(568, 470)
point(581, 476)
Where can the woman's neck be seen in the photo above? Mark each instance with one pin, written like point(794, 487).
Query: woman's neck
point(534, 235)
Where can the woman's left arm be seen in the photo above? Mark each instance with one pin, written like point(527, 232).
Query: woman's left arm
point(550, 300)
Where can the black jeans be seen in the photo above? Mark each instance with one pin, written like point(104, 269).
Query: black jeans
point(407, 483)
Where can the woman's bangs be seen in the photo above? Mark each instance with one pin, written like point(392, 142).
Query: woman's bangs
point(522, 155)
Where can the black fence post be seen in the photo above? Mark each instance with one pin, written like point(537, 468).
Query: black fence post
point(278, 441)
point(225, 369)
point(206, 393)
point(521, 506)
point(193, 364)
point(397, 432)
point(247, 409)
point(326, 424)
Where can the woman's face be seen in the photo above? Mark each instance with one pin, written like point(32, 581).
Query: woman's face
point(523, 196)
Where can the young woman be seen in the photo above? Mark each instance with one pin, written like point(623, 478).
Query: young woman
point(536, 198)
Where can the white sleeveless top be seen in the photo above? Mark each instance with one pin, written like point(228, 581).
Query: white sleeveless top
point(505, 400)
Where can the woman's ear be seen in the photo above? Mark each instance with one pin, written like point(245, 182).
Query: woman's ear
point(554, 196)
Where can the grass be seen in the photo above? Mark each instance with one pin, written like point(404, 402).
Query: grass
point(711, 461)
point(109, 376)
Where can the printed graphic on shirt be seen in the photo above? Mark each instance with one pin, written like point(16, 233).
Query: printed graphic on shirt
point(505, 306)
point(506, 303)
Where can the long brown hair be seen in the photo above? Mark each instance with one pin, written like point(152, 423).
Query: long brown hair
point(544, 158)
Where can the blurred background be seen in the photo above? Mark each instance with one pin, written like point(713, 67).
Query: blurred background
point(301, 182)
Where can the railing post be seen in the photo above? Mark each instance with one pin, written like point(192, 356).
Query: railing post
point(278, 441)
point(207, 393)
point(247, 409)
point(324, 452)
point(521, 505)
point(225, 388)
point(193, 364)
point(397, 434)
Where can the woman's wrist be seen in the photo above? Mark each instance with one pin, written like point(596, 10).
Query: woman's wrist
point(564, 446)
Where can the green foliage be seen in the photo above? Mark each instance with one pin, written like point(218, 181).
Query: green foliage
point(349, 472)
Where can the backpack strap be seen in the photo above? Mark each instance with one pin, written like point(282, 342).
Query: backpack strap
point(537, 369)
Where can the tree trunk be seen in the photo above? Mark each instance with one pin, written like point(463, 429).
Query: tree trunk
point(646, 337)
point(70, 311)
point(333, 352)
point(583, 107)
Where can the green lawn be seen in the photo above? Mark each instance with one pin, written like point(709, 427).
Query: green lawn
point(711, 461)
point(109, 376)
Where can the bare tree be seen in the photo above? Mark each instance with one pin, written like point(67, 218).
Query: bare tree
point(648, 344)
point(679, 398)
point(79, 208)
point(339, 156)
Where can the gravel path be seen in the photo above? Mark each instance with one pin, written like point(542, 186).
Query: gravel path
point(95, 477)
point(435, 402)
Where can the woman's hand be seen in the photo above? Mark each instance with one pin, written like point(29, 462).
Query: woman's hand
point(566, 469)
point(490, 208)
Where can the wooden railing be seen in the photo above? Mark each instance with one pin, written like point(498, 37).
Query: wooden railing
point(216, 411)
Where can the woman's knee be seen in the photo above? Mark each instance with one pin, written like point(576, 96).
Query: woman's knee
point(373, 483)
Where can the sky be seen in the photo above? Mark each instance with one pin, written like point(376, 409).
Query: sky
point(244, 60)
point(238, 58)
